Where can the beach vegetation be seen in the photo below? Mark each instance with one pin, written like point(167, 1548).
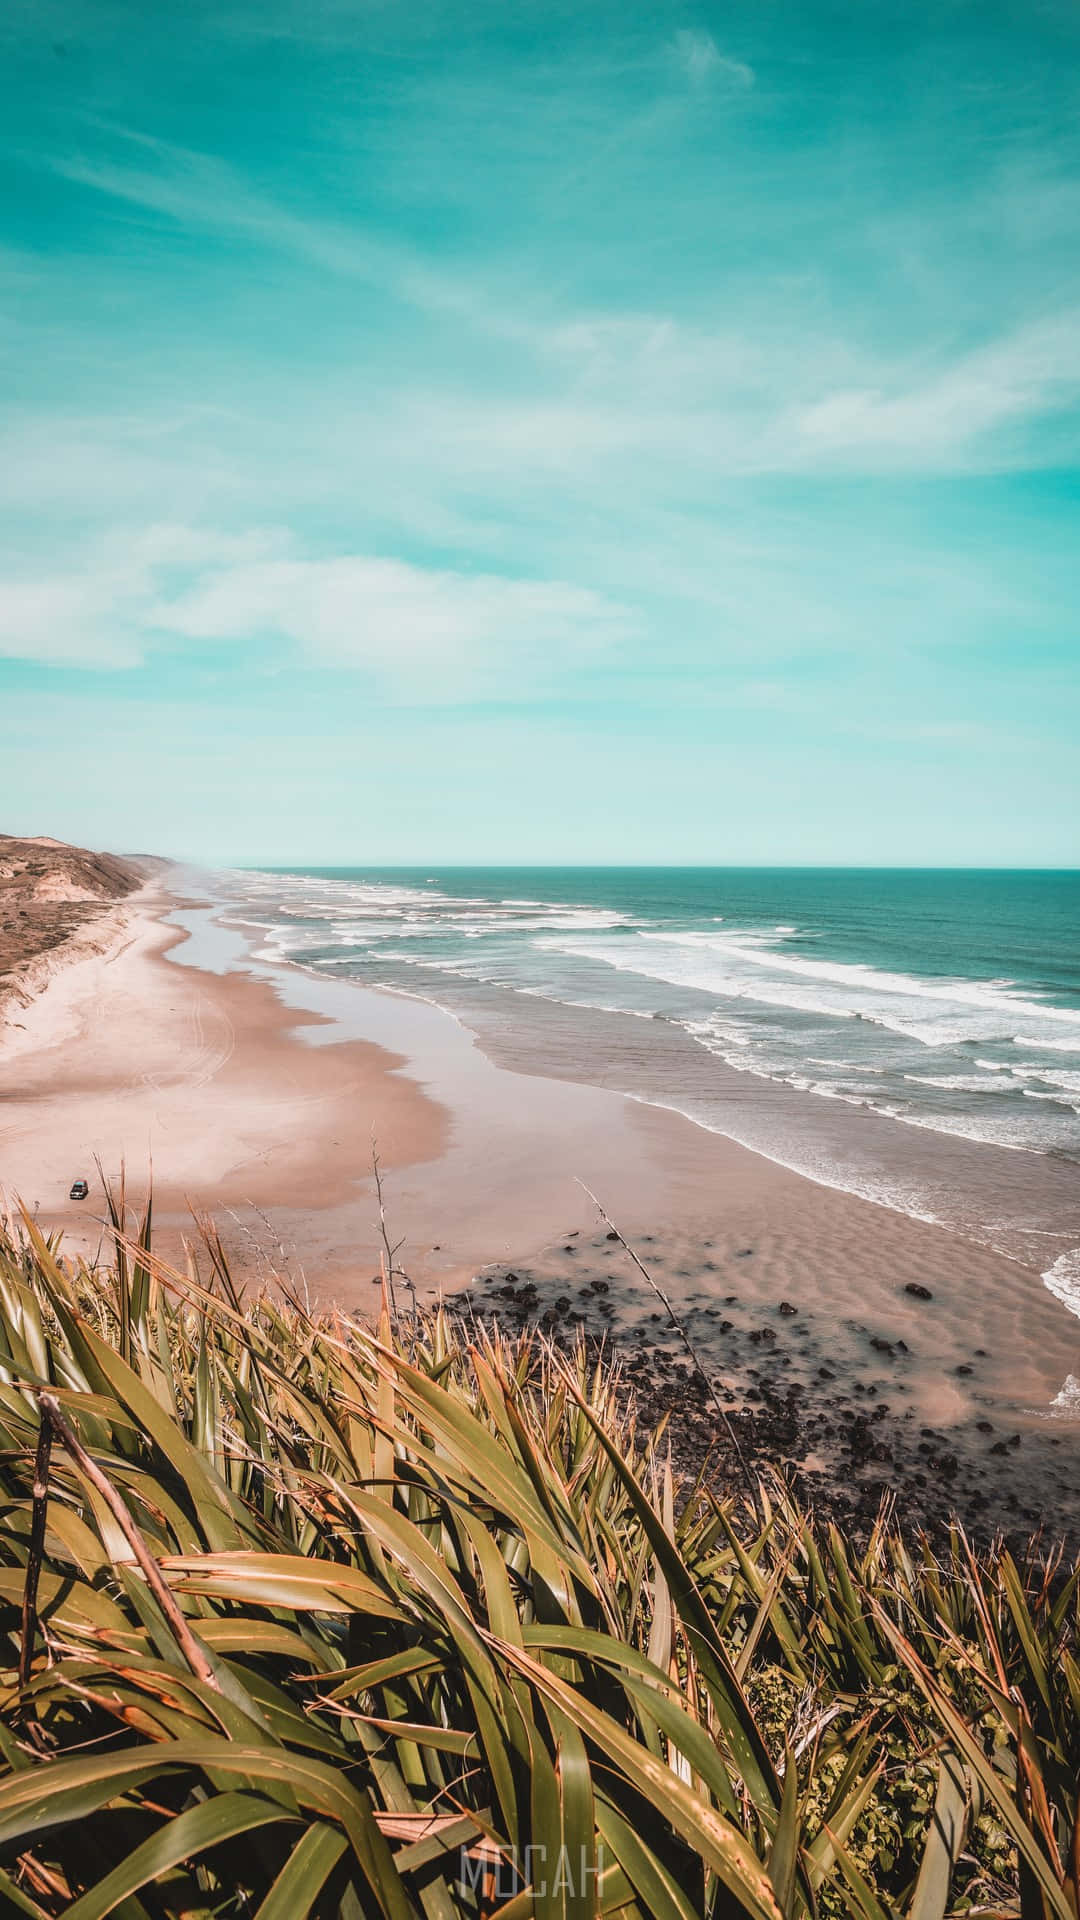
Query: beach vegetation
point(308, 1617)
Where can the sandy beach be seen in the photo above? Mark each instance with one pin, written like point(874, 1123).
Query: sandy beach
point(255, 1093)
point(124, 1058)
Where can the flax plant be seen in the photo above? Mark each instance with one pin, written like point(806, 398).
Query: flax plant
point(306, 1617)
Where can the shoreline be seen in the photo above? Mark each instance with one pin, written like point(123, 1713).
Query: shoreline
point(126, 1058)
point(200, 1059)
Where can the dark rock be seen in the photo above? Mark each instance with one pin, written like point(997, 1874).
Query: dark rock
point(918, 1292)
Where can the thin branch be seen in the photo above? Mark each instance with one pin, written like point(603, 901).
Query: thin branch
point(36, 1551)
point(683, 1335)
point(814, 1731)
point(390, 1250)
point(193, 1653)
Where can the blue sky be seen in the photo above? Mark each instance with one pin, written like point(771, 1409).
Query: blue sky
point(600, 432)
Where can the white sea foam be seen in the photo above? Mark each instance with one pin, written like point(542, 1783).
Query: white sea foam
point(1063, 1279)
point(1049, 1046)
point(1065, 1404)
point(996, 1132)
point(761, 1023)
point(771, 1000)
point(737, 965)
point(845, 1066)
point(1055, 1099)
point(969, 1127)
point(860, 981)
point(1060, 1077)
point(958, 1082)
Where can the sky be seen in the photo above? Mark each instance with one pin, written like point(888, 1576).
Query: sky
point(542, 432)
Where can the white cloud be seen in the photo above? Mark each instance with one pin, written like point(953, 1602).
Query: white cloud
point(64, 621)
point(444, 635)
point(390, 617)
point(930, 419)
point(702, 60)
point(93, 616)
point(776, 385)
point(628, 417)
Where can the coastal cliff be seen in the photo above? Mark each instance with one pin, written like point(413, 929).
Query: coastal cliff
point(52, 898)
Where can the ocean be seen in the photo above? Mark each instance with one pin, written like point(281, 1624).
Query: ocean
point(910, 1036)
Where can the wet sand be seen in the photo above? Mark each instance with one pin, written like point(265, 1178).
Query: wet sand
point(255, 1091)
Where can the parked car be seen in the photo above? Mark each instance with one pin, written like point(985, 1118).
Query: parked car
point(79, 1190)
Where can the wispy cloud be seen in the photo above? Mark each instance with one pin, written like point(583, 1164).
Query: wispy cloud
point(204, 193)
point(622, 356)
point(713, 408)
point(94, 615)
point(443, 635)
point(66, 622)
point(951, 415)
point(783, 385)
point(440, 635)
point(702, 60)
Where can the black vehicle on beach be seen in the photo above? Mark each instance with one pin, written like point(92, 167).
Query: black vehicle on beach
point(79, 1190)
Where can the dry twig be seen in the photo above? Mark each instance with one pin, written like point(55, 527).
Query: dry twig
point(36, 1551)
point(193, 1653)
point(684, 1337)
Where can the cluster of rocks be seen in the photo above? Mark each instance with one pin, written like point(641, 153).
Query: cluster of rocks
point(743, 1384)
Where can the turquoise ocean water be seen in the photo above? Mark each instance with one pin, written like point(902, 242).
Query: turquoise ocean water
point(798, 1010)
